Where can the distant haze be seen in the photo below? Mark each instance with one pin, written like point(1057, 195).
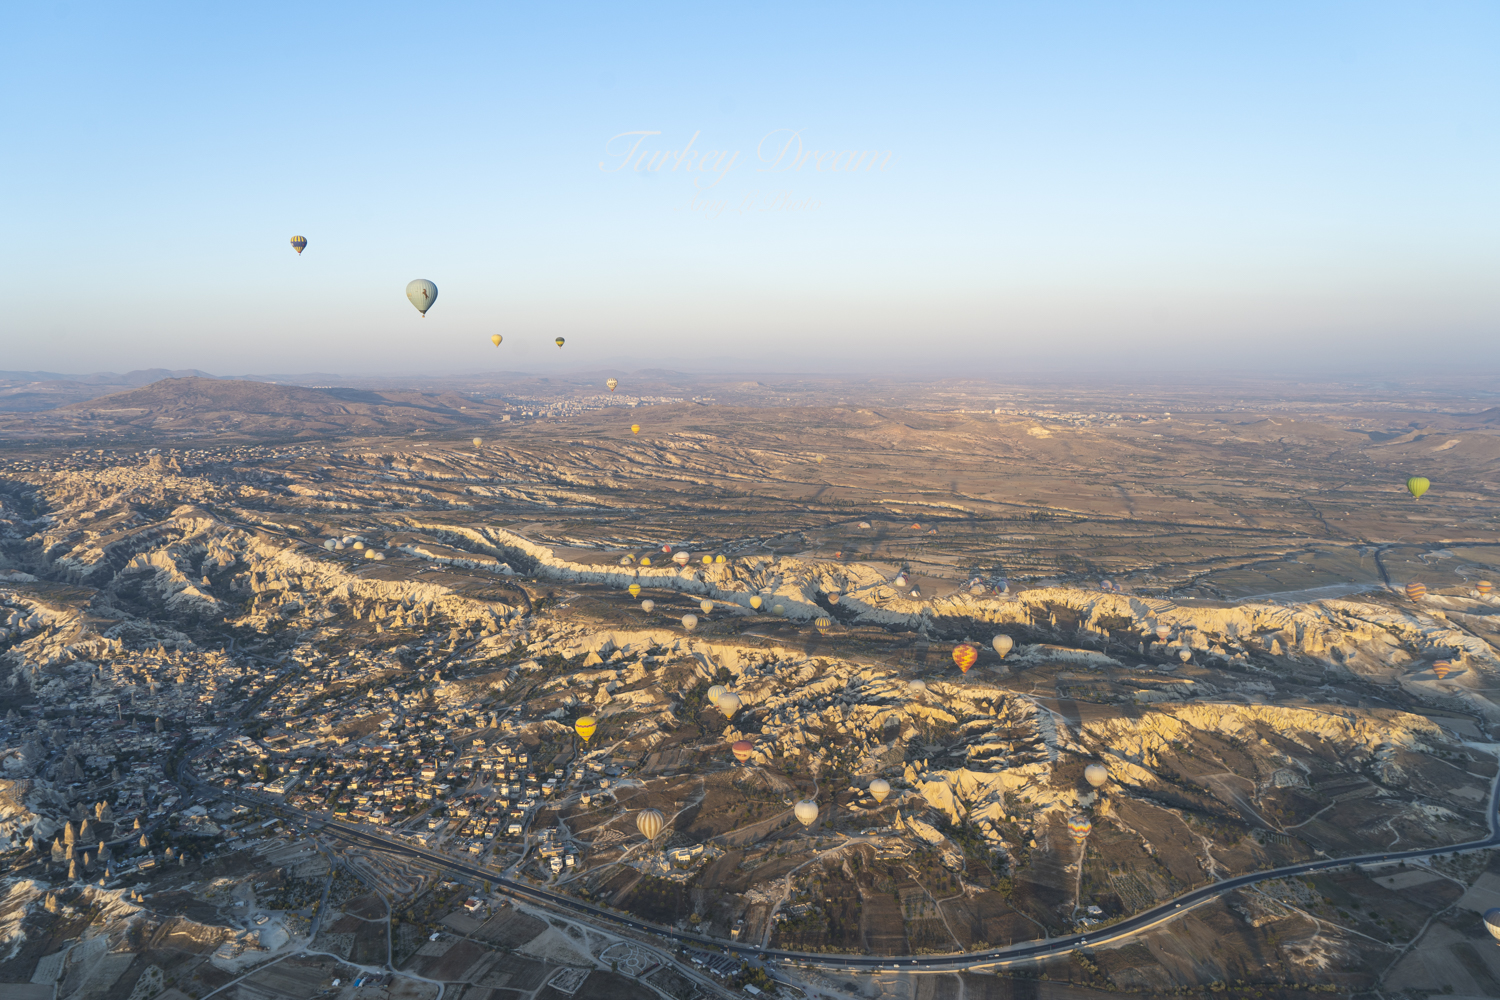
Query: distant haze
point(1271, 189)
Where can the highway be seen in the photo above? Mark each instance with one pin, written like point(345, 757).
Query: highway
point(1025, 952)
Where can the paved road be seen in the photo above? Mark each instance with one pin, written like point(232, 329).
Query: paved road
point(1024, 952)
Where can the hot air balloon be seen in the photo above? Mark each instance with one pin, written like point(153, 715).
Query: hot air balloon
point(422, 294)
point(756, 602)
point(833, 597)
point(299, 244)
point(689, 622)
point(681, 558)
point(715, 693)
point(778, 609)
point(917, 687)
point(742, 750)
point(478, 442)
point(559, 341)
point(880, 788)
point(806, 812)
point(495, 339)
point(1484, 587)
point(1417, 485)
point(706, 605)
point(1184, 654)
point(1096, 775)
point(965, 656)
point(1492, 922)
point(635, 428)
point(611, 383)
point(719, 559)
point(648, 606)
point(1163, 631)
point(1416, 591)
point(650, 822)
point(1442, 668)
point(634, 589)
point(708, 560)
point(585, 726)
point(1003, 644)
point(823, 624)
point(729, 703)
point(1079, 827)
point(645, 560)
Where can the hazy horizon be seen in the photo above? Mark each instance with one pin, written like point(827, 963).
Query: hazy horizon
point(1172, 188)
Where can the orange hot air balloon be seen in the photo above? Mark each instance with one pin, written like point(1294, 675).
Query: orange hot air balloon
point(965, 655)
point(1484, 587)
point(742, 750)
point(1416, 591)
point(1443, 668)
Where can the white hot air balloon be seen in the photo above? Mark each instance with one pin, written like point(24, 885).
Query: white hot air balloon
point(1096, 774)
point(648, 605)
point(1163, 631)
point(422, 294)
point(729, 703)
point(715, 693)
point(611, 383)
point(917, 687)
point(706, 605)
point(1003, 644)
point(806, 812)
point(689, 622)
point(1492, 922)
point(880, 788)
point(650, 823)
point(681, 558)
point(479, 442)
point(1184, 654)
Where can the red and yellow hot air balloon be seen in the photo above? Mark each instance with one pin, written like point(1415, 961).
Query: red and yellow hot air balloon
point(1416, 591)
point(965, 655)
point(1484, 587)
point(1442, 668)
point(742, 750)
point(1079, 827)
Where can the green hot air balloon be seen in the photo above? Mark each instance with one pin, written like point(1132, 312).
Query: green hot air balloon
point(1417, 485)
point(422, 294)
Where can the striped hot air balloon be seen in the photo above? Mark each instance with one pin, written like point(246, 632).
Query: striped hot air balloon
point(742, 750)
point(299, 244)
point(634, 589)
point(1484, 587)
point(650, 822)
point(1079, 827)
point(965, 655)
point(1416, 591)
point(1442, 668)
point(823, 624)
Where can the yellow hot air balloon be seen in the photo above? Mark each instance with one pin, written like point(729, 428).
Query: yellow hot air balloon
point(880, 788)
point(495, 339)
point(559, 341)
point(635, 428)
point(1483, 588)
point(708, 560)
point(720, 559)
point(611, 383)
point(1417, 485)
point(706, 605)
point(479, 442)
point(716, 692)
point(299, 244)
point(585, 726)
point(823, 623)
point(645, 560)
point(965, 656)
point(756, 602)
point(635, 590)
point(650, 822)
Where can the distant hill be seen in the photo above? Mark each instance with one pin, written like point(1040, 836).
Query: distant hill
point(259, 408)
point(33, 392)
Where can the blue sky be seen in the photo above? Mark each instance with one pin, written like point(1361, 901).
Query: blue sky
point(1097, 185)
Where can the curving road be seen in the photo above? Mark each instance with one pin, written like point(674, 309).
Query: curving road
point(1024, 952)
